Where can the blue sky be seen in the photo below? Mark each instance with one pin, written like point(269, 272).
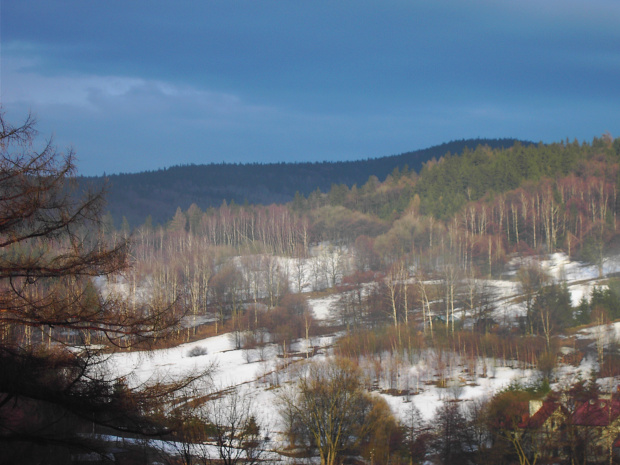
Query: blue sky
point(138, 85)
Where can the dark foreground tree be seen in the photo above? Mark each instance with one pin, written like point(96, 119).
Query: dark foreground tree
point(54, 390)
point(452, 434)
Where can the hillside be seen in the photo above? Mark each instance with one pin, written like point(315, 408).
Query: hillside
point(480, 287)
point(160, 192)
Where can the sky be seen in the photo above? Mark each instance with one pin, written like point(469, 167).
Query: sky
point(141, 85)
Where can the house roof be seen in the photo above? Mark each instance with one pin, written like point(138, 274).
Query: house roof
point(541, 416)
point(597, 412)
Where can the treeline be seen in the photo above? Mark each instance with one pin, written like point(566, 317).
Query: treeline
point(275, 228)
point(447, 183)
point(217, 260)
point(160, 192)
point(481, 206)
point(212, 263)
point(491, 202)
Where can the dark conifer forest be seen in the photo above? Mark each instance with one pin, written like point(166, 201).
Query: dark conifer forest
point(159, 193)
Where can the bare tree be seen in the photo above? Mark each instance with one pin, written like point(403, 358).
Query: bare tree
point(392, 285)
point(330, 410)
point(234, 429)
point(425, 295)
point(451, 281)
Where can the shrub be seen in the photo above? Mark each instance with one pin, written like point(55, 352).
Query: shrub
point(197, 351)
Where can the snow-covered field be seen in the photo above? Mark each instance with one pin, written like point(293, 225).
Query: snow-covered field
point(262, 380)
point(580, 279)
point(322, 307)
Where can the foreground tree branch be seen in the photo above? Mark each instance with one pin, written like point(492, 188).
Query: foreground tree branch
point(54, 387)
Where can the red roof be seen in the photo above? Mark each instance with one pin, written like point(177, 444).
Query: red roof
point(543, 413)
point(597, 412)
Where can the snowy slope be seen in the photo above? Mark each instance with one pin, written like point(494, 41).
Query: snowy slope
point(264, 379)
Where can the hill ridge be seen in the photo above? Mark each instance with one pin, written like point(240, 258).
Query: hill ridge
point(159, 192)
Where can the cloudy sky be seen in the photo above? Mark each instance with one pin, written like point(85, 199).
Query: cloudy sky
point(136, 85)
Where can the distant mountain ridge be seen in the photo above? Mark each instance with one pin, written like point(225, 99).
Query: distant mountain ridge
point(158, 193)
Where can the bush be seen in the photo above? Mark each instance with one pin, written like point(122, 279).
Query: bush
point(197, 351)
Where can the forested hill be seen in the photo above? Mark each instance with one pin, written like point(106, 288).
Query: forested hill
point(159, 193)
